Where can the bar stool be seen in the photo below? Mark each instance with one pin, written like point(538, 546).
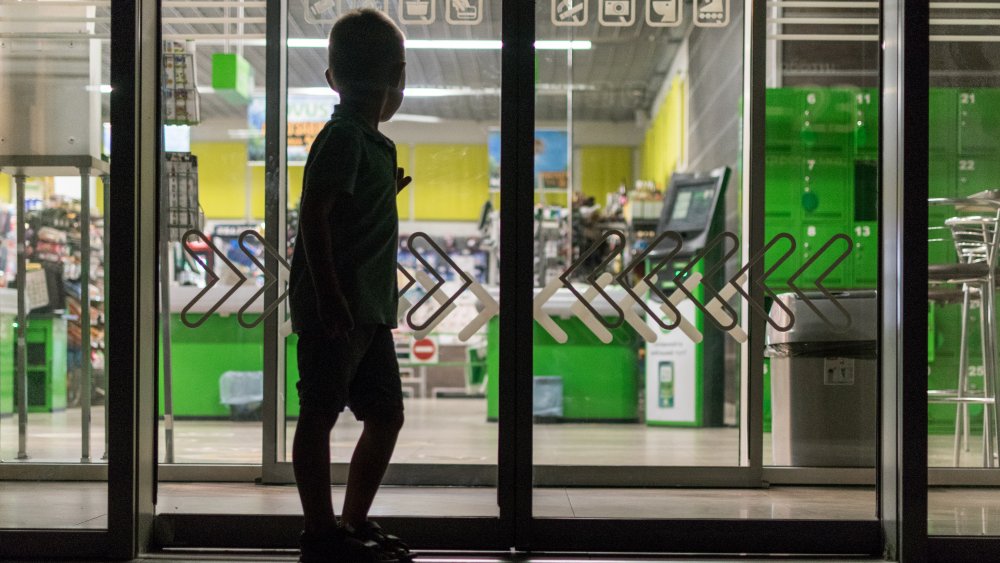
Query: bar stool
point(976, 241)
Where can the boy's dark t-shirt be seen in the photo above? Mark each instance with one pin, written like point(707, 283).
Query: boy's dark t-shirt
point(364, 223)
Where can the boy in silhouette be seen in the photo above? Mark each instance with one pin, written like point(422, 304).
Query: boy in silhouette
point(342, 292)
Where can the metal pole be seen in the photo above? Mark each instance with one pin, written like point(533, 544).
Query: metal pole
point(275, 213)
point(22, 314)
point(85, 365)
point(105, 186)
point(569, 159)
point(168, 395)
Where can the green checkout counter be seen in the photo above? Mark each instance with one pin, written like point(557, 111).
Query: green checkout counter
point(46, 358)
point(597, 382)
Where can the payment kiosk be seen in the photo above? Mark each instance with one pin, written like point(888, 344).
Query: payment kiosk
point(685, 383)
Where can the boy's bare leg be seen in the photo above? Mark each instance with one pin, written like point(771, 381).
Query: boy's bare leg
point(368, 465)
point(311, 463)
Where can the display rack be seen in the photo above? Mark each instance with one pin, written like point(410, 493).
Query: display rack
point(20, 167)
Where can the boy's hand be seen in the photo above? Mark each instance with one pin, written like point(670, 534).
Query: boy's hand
point(401, 180)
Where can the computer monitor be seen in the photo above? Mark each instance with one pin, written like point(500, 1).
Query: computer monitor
point(691, 202)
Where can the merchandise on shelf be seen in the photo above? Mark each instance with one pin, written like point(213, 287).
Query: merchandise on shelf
point(181, 101)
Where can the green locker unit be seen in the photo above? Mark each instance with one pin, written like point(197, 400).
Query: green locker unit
point(942, 174)
point(943, 368)
point(866, 116)
point(829, 118)
point(978, 121)
point(685, 379)
point(600, 381)
point(826, 191)
point(976, 173)
point(783, 119)
point(45, 339)
point(943, 120)
point(6, 365)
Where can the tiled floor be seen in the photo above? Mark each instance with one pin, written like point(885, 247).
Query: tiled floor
point(472, 558)
point(455, 432)
point(452, 431)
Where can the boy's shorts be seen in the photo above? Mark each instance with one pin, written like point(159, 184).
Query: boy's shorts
point(359, 371)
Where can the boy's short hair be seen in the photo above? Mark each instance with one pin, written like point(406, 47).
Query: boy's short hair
point(364, 48)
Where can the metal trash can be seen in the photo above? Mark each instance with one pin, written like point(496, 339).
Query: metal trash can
point(824, 384)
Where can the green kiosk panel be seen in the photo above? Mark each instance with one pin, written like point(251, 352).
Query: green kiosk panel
point(685, 379)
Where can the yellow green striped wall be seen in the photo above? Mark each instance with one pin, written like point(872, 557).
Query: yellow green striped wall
point(663, 149)
point(450, 181)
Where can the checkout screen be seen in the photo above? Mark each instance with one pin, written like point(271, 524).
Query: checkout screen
point(692, 208)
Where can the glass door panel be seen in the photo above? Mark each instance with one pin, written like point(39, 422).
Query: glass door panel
point(618, 379)
point(54, 181)
point(211, 354)
point(822, 210)
point(643, 302)
point(963, 161)
point(446, 135)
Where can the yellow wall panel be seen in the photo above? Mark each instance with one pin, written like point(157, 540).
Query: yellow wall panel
point(6, 194)
point(222, 169)
point(403, 160)
point(451, 182)
point(663, 149)
point(603, 169)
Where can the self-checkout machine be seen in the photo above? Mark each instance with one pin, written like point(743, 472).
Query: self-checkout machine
point(685, 383)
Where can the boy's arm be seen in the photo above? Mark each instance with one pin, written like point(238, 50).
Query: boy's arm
point(332, 177)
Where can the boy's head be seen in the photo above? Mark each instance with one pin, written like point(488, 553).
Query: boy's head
point(367, 58)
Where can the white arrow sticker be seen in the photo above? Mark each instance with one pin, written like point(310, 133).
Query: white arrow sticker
point(550, 326)
point(490, 309)
point(588, 318)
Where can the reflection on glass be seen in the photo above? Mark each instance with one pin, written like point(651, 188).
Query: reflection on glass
point(963, 163)
point(821, 216)
point(637, 329)
point(447, 138)
point(211, 353)
point(54, 176)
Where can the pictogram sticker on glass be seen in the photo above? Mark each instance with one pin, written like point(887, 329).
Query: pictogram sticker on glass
point(570, 13)
point(663, 13)
point(417, 12)
point(711, 13)
point(616, 13)
point(464, 12)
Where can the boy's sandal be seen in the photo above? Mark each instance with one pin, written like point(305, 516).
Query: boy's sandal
point(343, 547)
point(371, 531)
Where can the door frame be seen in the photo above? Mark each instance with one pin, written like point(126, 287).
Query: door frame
point(130, 349)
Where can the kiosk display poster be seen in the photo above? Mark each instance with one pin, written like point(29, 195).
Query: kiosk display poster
point(672, 376)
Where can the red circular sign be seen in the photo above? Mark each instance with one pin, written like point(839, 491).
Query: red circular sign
point(424, 349)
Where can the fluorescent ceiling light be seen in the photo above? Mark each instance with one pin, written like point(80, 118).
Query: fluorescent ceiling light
point(323, 91)
point(409, 92)
point(453, 44)
point(414, 118)
point(458, 44)
point(563, 45)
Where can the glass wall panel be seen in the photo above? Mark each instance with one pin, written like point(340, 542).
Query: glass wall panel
point(963, 163)
point(54, 179)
